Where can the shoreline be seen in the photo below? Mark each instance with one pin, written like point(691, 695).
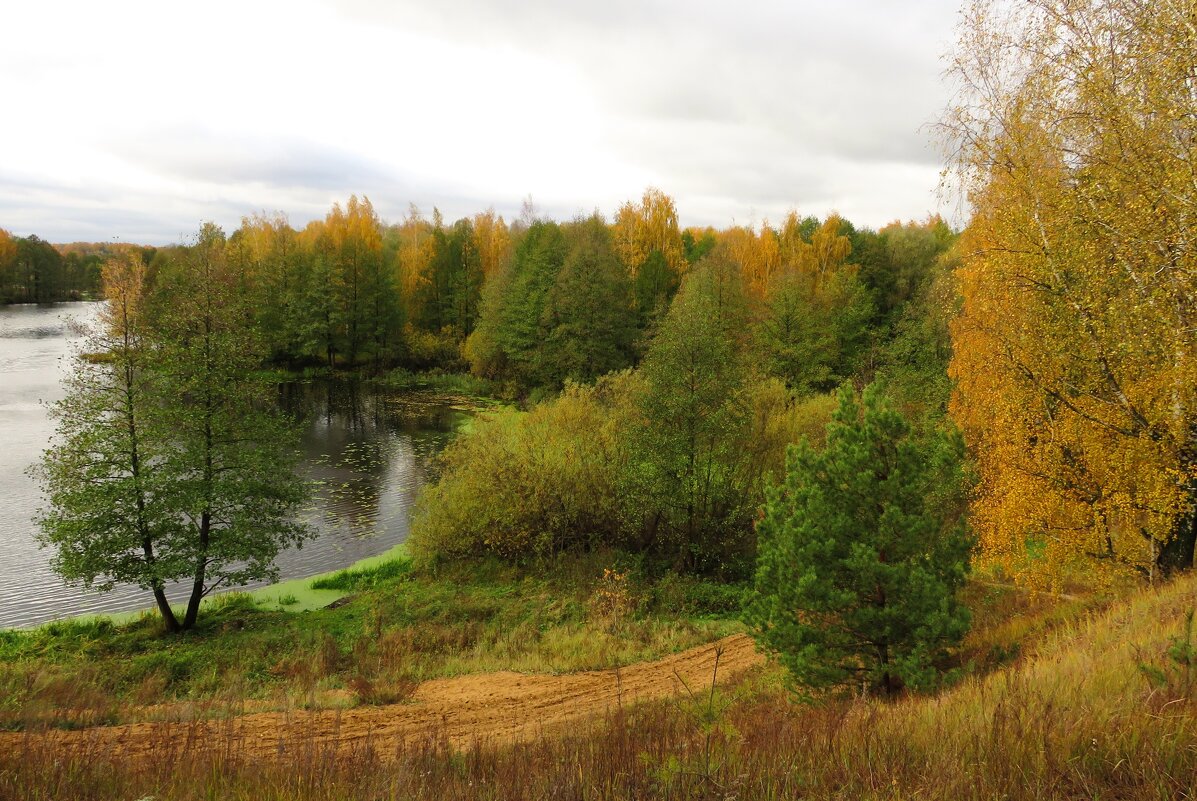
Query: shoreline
point(270, 597)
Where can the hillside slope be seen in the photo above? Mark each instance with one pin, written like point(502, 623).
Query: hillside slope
point(1075, 718)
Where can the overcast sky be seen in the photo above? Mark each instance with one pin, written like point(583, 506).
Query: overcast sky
point(135, 121)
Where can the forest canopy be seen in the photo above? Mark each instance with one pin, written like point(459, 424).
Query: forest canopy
point(534, 303)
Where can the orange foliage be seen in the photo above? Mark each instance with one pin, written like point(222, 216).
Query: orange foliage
point(640, 229)
point(1075, 354)
point(492, 240)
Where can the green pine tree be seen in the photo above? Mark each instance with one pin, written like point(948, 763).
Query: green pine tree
point(861, 552)
point(521, 329)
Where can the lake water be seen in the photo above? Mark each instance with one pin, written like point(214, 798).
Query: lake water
point(370, 451)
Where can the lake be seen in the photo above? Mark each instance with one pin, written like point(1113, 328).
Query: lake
point(369, 450)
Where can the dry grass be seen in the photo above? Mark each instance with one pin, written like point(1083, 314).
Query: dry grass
point(1075, 719)
point(402, 628)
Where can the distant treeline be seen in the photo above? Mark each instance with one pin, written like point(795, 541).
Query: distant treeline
point(534, 303)
point(35, 271)
point(673, 369)
point(666, 370)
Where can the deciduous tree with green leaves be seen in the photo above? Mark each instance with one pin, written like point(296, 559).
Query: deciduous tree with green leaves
point(230, 456)
point(169, 463)
point(110, 513)
point(861, 552)
point(694, 475)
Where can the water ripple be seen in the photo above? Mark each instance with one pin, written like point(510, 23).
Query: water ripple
point(371, 457)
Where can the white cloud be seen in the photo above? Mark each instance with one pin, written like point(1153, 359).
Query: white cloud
point(139, 119)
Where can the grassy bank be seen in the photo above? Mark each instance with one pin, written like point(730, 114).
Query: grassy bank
point(395, 627)
point(1073, 717)
point(440, 382)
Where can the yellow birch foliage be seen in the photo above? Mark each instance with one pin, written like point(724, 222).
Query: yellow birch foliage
point(790, 242)
point(648, 226)
point(826, 252)
point(268, 244)
point(757, 254)
point(123, 278)
point(415, 234)
point(355, 232)
point(492, 238)
point(1075, 356)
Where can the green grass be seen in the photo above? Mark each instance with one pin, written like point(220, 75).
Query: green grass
point(367, 575)
point(1074, 717)
point(439, 382)
point(279, 646)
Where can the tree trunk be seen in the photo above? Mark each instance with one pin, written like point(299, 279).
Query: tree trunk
point(1177, 553)
point(201, 564)
point(168, 615)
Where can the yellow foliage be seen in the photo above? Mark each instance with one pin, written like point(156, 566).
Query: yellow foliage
point(649, 226)
point(1075, 354)
point(827, 251)
point(264, 247)
point(8, 249)
point(492, 240)
point(415, 253)
point(123, 278)
point(758, 255)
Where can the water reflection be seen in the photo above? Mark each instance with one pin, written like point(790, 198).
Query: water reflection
point(370, 451)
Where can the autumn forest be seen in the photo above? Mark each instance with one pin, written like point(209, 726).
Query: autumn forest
point(897, 511)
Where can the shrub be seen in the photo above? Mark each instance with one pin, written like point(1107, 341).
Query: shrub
point(533, 483)
point(427, 350)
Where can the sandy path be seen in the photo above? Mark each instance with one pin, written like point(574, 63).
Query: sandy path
point(495, 707)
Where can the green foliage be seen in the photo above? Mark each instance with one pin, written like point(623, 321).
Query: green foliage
point(899, 259)
point(914, 364)
point(861, 552)
point(432, 350)
point(439, 382)
point(695, 248)
point(450, 297)
point(561, 311)
point(352, 580)
point(693, 465)
point(319, 314)
point(566, 308)
point(167, 464)
point(1176, 676)
point(590, 326)
point(110, 502)
point(566, 474)
point(653, 288)
point(531, 483)
point(34, 271)
point(521, 331)
point(230, 459)
point(812, 332)
point(696, 595)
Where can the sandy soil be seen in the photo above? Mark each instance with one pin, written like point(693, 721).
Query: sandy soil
point(490, 707)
